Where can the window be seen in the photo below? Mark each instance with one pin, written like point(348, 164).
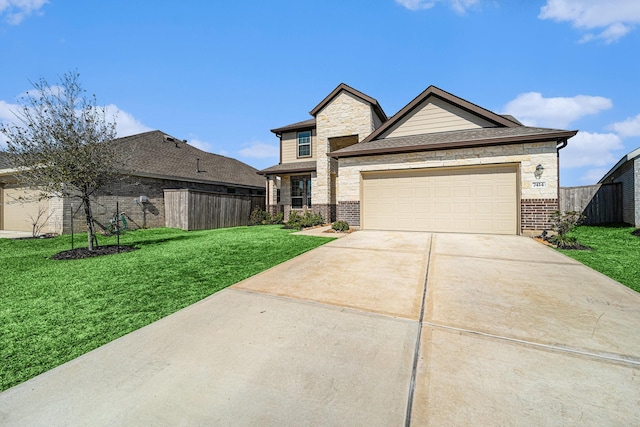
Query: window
point(300, 191)
point(304, 144)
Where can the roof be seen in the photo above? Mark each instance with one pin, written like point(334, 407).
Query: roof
point(343, 87)
point(303, 125)
point(629, 157)
point(499, 120)
point(455, 139)
point(290, 168)
point(158, 155)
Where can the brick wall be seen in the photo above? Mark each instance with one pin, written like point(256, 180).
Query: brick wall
point(126, 192)
point(535, 214)
point(349, 212)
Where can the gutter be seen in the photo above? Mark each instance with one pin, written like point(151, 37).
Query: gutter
point(565, 135)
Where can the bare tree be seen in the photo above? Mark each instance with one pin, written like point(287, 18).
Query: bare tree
point(38, 220)
point(60, 143)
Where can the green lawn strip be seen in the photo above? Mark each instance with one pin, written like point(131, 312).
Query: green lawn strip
point(54, 311)
point(615, 252)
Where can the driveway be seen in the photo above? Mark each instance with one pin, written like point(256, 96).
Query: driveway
point(376, 329)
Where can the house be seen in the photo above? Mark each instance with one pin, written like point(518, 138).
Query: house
point(440, 164)
point(626, 173)
point(154, 162)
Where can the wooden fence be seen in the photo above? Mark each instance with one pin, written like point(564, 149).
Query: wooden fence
point(601, 203)
point(200, 210)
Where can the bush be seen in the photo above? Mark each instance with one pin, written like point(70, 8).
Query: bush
point(308, 219)
point(563, 223)
point(260, 217)
point(340, 226)
point(257, 216)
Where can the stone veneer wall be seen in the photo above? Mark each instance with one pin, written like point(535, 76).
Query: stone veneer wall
point(345, 115)
point(525, 156)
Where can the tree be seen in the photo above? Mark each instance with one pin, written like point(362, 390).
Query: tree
point(60, 143)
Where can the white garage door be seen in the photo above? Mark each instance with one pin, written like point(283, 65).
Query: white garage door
point(468, 200)
point(20, 207)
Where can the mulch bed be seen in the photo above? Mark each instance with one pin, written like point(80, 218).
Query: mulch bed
point(80, 253)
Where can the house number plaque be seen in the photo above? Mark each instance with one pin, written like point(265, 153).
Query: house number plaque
point(539, 184)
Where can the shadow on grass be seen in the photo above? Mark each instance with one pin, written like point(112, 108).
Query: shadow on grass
point(612, 225)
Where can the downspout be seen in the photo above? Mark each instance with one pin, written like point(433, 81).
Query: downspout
point(561, 144)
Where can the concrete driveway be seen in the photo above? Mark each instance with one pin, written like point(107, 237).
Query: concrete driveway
point(376, 329)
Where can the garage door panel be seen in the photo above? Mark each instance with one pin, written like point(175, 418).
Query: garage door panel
point(481, 200)
point(21, 207)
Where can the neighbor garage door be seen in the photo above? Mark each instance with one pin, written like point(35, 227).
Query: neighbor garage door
point(19, 206)
point(469, 200)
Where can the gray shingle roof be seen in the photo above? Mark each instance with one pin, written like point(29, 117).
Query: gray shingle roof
point(305, 124)
point(160, 155)
point(290, 168)
point(456, 139)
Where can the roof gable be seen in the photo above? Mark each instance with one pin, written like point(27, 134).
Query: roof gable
point(343, 87)
point(621, 165)
point(436, 110)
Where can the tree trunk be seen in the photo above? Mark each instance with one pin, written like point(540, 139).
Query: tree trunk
point(89, 218)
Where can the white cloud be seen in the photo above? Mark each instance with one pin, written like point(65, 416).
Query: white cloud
point(459, 6)
point(591, 149)
point(591, 176)
point(15, 11)
point(533, 109)
point(612, 18)
point(628, 127)
point(126, 124)
point(260, 150)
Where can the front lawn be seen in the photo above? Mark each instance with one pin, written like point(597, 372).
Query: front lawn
point(615, 252)
point(54, 311)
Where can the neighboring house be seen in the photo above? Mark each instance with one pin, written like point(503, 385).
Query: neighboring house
point(627, 173)
point(154, 162)
point(440, 164)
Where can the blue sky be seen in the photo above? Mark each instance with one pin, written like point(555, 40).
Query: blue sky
point(221, 74)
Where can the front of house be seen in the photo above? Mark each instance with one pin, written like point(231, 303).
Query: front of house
point(441, 164)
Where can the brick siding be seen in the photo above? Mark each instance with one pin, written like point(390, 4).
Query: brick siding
point(126, 191)
point(535, 213)
point(349, 212)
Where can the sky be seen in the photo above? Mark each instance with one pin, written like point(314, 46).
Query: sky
point(222, 74)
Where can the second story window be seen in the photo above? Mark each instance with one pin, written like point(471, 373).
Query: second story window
point(304, 144)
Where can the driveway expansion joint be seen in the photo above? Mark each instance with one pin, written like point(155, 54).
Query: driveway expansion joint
point(494, 258)
point(416, 355)
point(341, 308)
point(599, 356)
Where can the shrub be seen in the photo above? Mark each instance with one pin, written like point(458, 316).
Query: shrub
point(308, 219)
point(563, 223)
point(260, 217)
point(341, 226)
point(257, 216)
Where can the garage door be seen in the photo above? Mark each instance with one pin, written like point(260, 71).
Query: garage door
point(19, 206)
point(469, 200)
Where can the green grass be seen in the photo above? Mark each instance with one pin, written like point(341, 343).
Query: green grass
point(615, 252)
point(54, 311)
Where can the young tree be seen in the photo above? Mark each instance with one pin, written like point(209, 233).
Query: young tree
point(60, 143)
